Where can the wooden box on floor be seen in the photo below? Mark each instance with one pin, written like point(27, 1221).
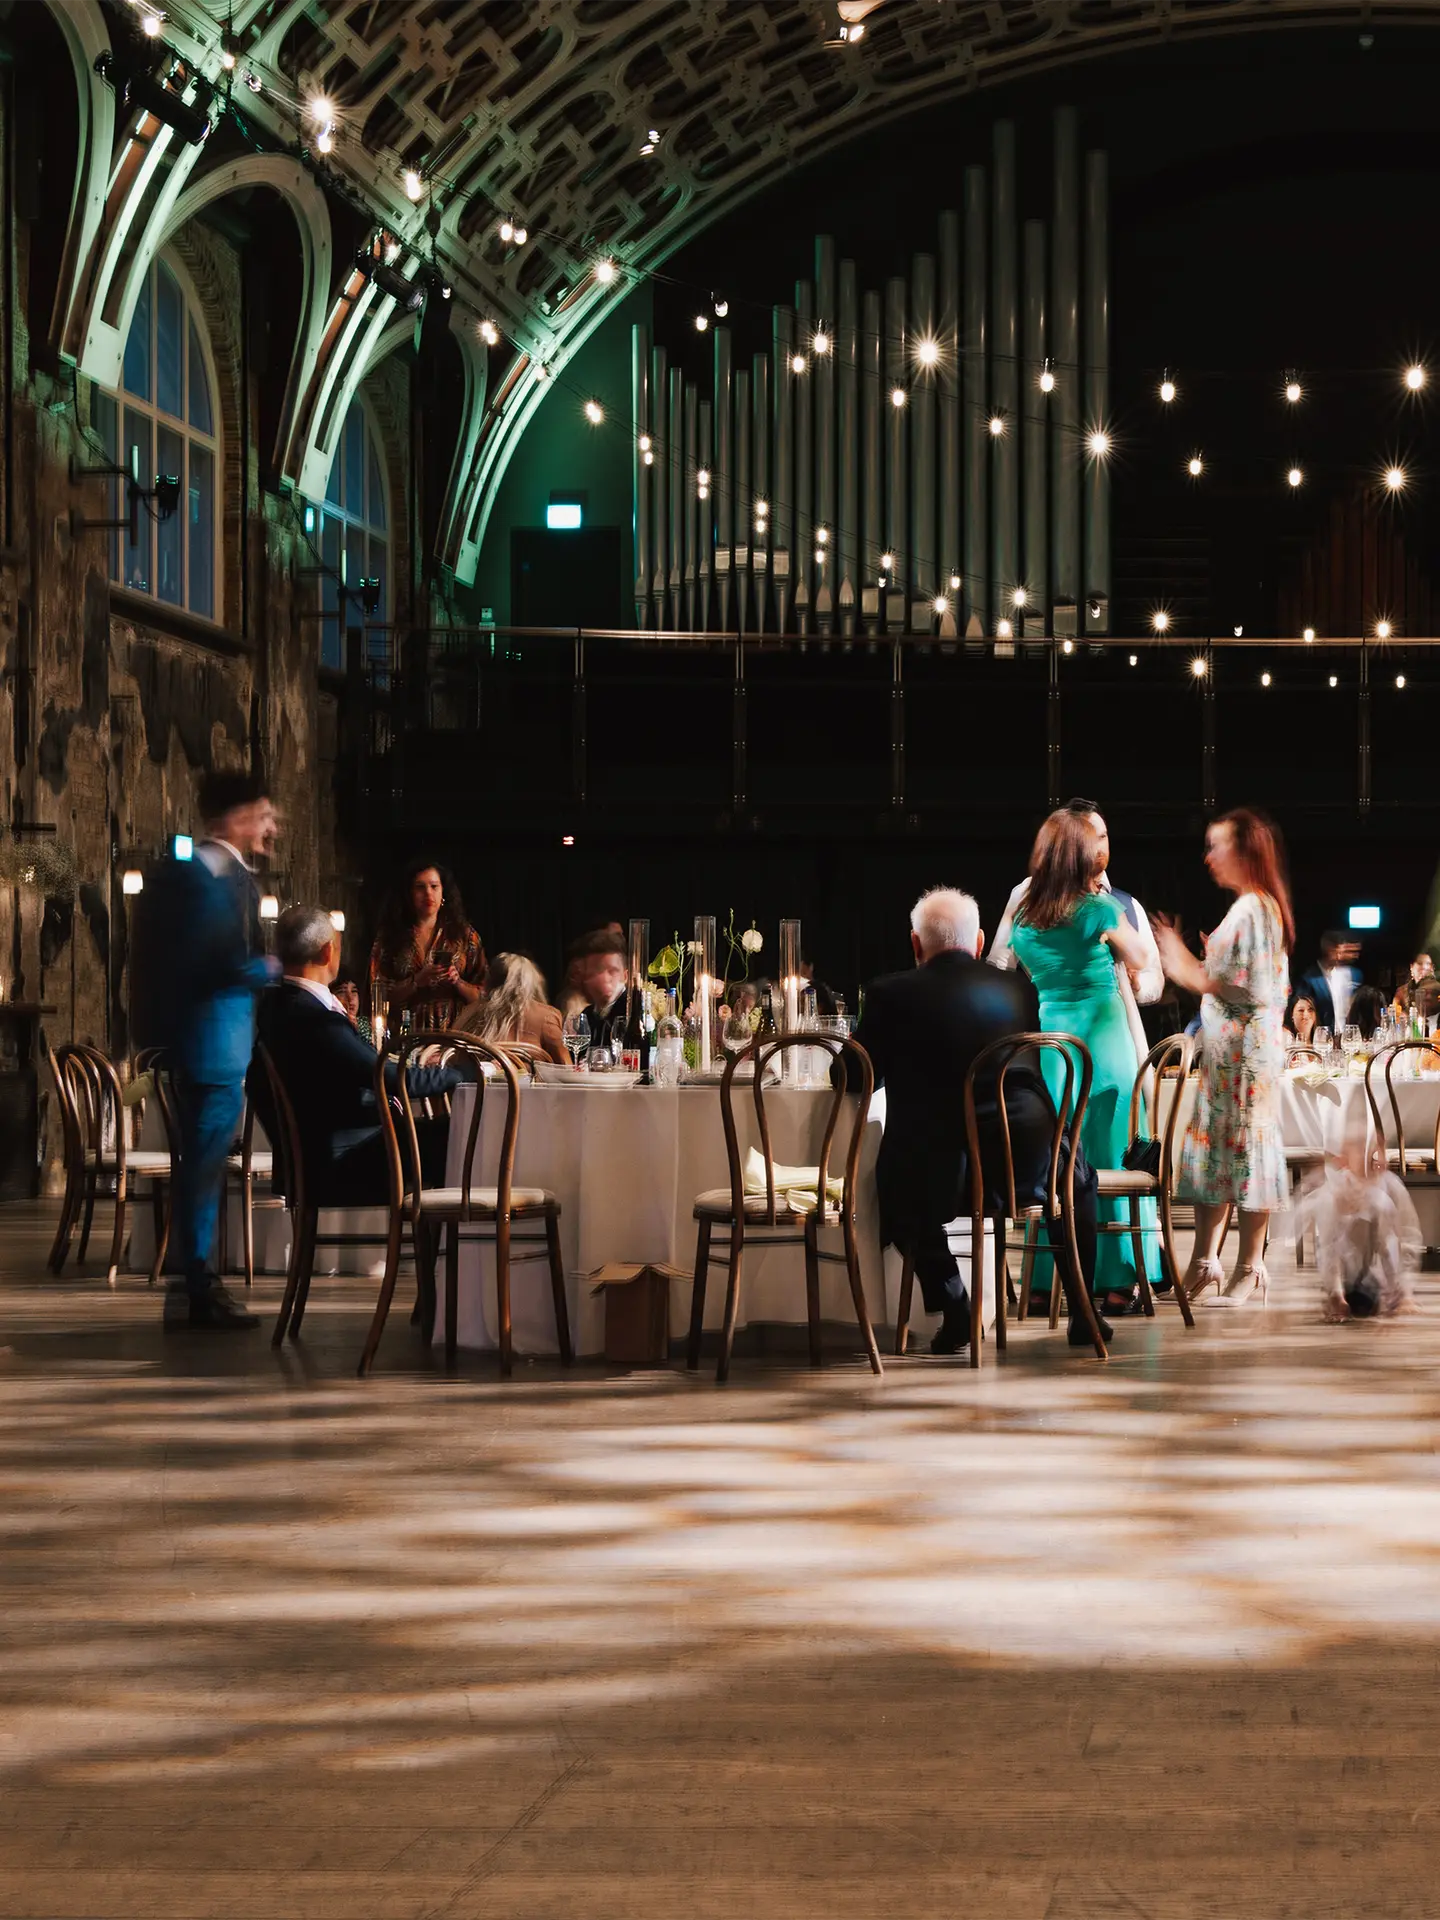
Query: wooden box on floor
point(637, 1311)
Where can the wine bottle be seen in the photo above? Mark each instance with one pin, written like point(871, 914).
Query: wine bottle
point(767, 1029)
point(636, 1051)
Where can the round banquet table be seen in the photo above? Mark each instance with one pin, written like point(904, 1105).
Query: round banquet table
point(626, 1165)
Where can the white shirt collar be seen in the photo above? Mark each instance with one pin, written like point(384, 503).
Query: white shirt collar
point(209, 850)
point(320, 992)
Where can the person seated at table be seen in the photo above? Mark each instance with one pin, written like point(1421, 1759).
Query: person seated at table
point(328, 1073)
point(515, 1008)
point(603, 966)
point(1367, 1010)
point(922, 1029)
point(427, 959)
point(346, 989)
point(1300, 1021)
point(1421, 992)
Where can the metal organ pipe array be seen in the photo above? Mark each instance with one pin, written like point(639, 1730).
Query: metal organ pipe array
point(889, 445)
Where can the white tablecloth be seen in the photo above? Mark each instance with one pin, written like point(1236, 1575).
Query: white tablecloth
point(626, 1165)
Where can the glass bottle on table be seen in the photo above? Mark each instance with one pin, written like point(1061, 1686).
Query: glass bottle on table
point(669, 1045)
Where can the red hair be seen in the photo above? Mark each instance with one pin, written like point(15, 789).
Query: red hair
point(1260, 853)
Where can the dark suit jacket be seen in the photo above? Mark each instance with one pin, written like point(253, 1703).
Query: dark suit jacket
point(328, 1072)
point(1317, 988)
point(197, 963)
point(922, 1029)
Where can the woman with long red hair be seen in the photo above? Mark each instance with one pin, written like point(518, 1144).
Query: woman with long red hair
point(1233, 1153)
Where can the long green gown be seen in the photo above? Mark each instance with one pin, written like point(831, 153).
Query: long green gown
point(1074, 974)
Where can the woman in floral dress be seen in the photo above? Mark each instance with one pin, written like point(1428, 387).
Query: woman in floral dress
point(1233, 1153)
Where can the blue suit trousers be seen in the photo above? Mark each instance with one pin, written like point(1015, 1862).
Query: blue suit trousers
point(208, 1119)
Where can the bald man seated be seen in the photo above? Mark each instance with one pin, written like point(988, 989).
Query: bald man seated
point(922, 1029)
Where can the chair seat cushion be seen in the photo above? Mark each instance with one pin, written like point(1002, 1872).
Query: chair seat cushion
point(262, 1165)
point(1121, 1180)
point(137, 1160)
point(1417, 1159)
point(487, 1199)
point(715, 1204)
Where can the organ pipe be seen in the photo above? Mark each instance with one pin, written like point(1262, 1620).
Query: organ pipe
point(847, 371)
point(1033, 403)
point(1065, 401)
point(973, 403)
point(760, 479)
point(785, 560)
point(729, 501)
point(675, 482)
point(948, 555)
point(871, 535)
point(640, 384)
point(822, 371)
point(804, 458)
point(705, 455)
point(923, 583)
point(692, 506)
point(1097, 387)
point(1004, 378)
point(745, 492)
point(660, 476)
point(895, 475)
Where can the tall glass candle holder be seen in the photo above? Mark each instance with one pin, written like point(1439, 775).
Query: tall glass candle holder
point(790, 987)
point(703, 954)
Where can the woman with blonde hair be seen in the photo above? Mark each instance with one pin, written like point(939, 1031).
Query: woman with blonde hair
point(515, 1008)
point(1068, 935)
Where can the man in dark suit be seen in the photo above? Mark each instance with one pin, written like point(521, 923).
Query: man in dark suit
point(328, 1072)
point(197, 963)
point(603, 968)
point(1332, 981)
point(922, 1029)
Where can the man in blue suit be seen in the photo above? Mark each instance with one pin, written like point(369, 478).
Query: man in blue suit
point(198, 963)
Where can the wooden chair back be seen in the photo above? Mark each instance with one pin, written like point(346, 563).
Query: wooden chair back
point(105, 1096)
point(397, 1119)
point(1167, 1061)
point(67, 1074)
point(841, 1048)
point(996, 1060)
point(286, 1144)
point(1385, 1060)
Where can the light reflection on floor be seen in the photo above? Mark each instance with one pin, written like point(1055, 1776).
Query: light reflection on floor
point(218, 1568)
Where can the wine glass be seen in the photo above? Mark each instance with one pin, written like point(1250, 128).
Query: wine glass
point(1320, 1040)
point(1350, 1040)
point(736, 1032)
point(575, 1032)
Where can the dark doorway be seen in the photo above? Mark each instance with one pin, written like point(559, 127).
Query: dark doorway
point(565, 579)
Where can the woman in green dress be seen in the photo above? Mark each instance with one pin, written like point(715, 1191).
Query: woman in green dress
point(1069, 937)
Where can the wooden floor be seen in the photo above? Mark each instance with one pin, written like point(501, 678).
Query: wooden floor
point(1158, 1638)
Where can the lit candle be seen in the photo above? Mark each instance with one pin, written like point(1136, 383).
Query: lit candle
point(704, 1023)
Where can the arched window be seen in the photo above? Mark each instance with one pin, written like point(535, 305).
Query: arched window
point(164, 422)
point(354, 541)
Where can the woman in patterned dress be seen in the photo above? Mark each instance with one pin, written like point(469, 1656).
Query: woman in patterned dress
point(1233, 1154)
point(427, 957)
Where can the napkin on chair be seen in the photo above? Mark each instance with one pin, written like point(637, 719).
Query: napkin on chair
point(788, 1179)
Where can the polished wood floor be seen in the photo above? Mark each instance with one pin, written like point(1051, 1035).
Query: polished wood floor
point(1159, 1638)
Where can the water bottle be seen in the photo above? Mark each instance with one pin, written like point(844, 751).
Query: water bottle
point(669, 1054)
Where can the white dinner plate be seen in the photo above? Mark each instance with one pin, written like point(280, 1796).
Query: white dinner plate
point(551, 1075)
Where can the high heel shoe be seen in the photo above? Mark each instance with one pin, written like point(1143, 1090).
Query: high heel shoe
point(1207, 1273)
point(1243, 1285)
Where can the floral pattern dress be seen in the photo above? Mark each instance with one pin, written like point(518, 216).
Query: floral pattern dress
point(1233, 1148)
point(435, 1010)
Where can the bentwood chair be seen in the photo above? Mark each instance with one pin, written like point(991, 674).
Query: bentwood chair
point(777, 1217)
point(1418, 1167)
point(1162, 1072)
point(1300, 1161)
point(490, 1213)
point(297, 1193)
point(991, 1065)
point(243, 1168)
point(97, 1123)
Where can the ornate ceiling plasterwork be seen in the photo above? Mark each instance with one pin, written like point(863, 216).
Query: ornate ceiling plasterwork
point(539, 109)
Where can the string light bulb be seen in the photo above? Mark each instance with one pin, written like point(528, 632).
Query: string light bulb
point(1167, 389)
point(605, 271)
point(1415, 377)
point(798, 363)
point(1004, 630)
point(150, 25)
point(997, 425)
point(1160, 621)
point(1194, 466)
point(1394, 478)
point(1309, 636)
point(490, 333)
point(1197, 666)
point(1099, 443)
point(1399, 679)
point(1264, 679)
point(1334, 680)
point(542, 374)
point(507, 231)
point(941, 604)
point(325, 140)
point(819, 556)
point(702, 493)
point(1294, 476)
point(820, 342)
point(954, 583)
point(1019, 597)
point(227, 59)
point(721, 305)
point(927, 352)
point(321, 109)
point(703, 477)
point(1382, 629)
point(702, 322)
point(522, 234)
point(1067, 646)
point(594, 412)
point(762, 507)
point(897, 396)
point(1293, 390)
point(822, 536)
point(887, 562)
point(414, 186)
point(1047, 379)
point(1134, 659)
point(648, 457)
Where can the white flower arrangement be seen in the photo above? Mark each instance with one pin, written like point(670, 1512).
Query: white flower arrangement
point(752, 941)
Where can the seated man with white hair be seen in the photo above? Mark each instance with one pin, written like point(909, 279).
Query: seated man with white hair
point(922, 1029)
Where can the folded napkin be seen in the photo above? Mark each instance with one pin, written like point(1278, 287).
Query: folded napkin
point(788, 1179)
